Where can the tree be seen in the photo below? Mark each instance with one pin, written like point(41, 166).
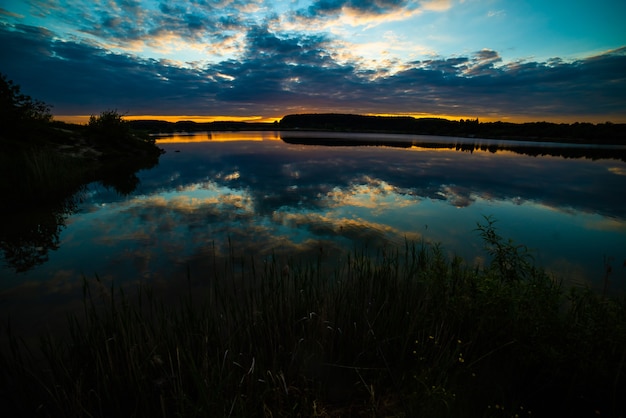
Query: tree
point(108, 126)
point(20, 112)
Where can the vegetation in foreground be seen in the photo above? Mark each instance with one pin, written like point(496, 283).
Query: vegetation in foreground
point(408, 333)
point(45, 160)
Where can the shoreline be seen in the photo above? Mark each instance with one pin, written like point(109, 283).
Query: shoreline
point(544, 132)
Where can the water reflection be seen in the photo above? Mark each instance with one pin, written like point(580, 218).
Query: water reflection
point(30, 233)
point(258, 196)
point(269, 197)
point(299, 175)
point(184, 137)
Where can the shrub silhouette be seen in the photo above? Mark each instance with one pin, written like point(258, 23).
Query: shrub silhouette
point(110, 129)
point(19, 113)
point(108, 126)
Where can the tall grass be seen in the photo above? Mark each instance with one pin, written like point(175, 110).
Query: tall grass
point(409, 332)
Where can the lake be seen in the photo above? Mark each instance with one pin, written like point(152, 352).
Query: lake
point(319, 196)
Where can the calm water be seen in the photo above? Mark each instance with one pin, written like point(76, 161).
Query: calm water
point(265, 195)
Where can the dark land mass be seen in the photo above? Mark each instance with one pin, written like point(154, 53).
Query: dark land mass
point(57, 159)
point(581, 133)
point(606, 133)
point(45, 160)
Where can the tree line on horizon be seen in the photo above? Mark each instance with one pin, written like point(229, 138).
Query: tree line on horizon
point(602, 133)
point(605, 133)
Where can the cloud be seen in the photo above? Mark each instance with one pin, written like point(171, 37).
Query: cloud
point(368, 11)
point(332, 15)
point(361, 6)
point(81, 78)
point(483, 63)
point(496, 13)
point(158, 28)
point(276, 73)
point(593, 86)
point(7, 13)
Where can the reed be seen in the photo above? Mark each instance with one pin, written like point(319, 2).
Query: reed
point(406, 332)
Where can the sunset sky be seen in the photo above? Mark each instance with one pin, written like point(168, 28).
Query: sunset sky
point(515, 60)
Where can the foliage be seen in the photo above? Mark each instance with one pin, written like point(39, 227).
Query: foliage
point(115, 136)
point(20, 112)
point(405, 333)
point(511, 261)
point(109, 126)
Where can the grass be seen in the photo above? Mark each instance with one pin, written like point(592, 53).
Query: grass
point(409, 332)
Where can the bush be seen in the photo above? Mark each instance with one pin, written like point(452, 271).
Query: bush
point(108, 126)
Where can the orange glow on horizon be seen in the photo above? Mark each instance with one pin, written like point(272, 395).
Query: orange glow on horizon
point(84, 119)
point(204, 118)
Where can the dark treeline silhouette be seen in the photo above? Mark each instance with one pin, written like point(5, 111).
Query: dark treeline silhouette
point(360, 123)
point(604, 133)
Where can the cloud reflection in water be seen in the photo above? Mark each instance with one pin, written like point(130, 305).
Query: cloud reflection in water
point(272, 199)
point(269, 197)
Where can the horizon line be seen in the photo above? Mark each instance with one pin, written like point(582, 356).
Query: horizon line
point(84, 119)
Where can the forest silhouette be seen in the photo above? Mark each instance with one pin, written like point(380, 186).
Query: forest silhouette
point(603, 133)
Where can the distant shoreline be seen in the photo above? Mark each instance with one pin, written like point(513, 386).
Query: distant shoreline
point(337, 139)
point(577, 133)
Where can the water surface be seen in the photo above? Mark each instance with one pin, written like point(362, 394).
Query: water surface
point(284, 195)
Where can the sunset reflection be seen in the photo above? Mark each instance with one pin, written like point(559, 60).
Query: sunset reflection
point(217, 136)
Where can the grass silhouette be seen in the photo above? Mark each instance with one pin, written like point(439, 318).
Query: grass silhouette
point(409, 332)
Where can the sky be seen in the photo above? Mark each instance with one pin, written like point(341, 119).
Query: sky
point(258, 60)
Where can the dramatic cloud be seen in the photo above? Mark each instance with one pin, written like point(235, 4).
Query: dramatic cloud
point(358, 7)
point(273, 73)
